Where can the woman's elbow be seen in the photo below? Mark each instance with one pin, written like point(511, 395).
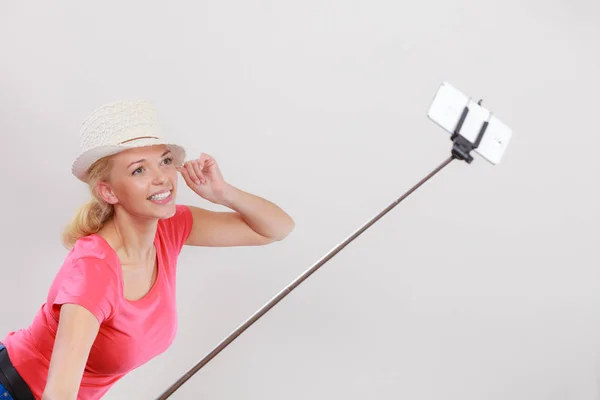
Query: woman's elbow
point(53, 393)
point(285, 229)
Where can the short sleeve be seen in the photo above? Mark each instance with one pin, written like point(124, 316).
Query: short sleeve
point(177, 229)
point(91, 283)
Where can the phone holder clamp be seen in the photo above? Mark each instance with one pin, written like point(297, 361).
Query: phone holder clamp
point(462, 147)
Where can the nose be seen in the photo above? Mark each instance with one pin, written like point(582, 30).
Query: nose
point(159, 177)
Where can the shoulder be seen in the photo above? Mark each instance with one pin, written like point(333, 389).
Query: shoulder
point(182, 212)
point(93, 247)
point(176, 229)
point(93, 252)
point(91, 265)
point(90, 277)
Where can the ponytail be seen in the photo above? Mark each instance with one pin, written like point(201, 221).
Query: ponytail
point(91, 216)
point(89, 219)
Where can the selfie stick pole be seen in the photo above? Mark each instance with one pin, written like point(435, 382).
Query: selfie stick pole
point(461, 150)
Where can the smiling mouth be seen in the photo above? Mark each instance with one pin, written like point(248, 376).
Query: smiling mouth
point(160, 196)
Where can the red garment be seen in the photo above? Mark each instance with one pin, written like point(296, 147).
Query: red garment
point(131, 332)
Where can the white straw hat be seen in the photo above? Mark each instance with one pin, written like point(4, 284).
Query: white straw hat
point(119, 126)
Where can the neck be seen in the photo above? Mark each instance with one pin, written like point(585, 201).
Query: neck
point(132, 236)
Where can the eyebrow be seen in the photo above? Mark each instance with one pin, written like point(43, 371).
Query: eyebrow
point(139, 161)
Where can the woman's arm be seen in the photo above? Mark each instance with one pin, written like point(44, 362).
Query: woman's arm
point(263, 216)
point(254, 221)
point(77, 330)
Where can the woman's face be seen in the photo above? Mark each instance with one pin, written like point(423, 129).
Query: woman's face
point(143, 182)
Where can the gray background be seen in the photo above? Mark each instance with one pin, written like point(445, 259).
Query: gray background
point(482, 285)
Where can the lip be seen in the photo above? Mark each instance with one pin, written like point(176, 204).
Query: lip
point(160, 192)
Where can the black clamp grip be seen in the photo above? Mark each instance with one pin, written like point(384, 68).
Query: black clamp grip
point(462, 147)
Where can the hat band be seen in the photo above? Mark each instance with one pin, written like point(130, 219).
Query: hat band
point(138, 138)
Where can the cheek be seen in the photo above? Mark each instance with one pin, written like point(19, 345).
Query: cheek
point(133, 191)
point(173, 176)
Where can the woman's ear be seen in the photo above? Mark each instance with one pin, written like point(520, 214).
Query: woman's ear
point(106, 193)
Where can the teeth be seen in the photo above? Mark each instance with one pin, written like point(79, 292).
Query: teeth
point(160, 196)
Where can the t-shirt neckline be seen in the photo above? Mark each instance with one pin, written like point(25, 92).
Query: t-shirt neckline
point(159, 272)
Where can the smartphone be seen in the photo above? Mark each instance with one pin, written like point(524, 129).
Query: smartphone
point(446, 110)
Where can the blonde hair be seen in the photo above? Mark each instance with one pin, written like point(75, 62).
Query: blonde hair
point(94, 214)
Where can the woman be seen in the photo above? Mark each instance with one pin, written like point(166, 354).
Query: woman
point(111, 307)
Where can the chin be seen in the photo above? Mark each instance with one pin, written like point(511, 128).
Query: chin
point(169, 212)
point(163, 209)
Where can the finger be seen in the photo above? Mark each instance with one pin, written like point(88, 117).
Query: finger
point(204, 157)
point(201, 164)
point(198, 171)
point(191, 172)
point(186, 175)
point(206, 161)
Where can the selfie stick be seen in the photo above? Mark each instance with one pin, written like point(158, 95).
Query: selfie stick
point(461, 150)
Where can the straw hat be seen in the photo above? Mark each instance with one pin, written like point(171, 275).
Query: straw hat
point(116, 127)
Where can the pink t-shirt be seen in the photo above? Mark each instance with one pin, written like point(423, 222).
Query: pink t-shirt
point(131, 332)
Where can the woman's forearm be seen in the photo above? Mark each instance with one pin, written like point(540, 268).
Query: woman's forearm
point(263, 216)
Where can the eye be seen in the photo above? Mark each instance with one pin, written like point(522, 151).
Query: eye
point(168, 160)
point(139, 170)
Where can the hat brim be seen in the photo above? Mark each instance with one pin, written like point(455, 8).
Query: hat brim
point(86, 159)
